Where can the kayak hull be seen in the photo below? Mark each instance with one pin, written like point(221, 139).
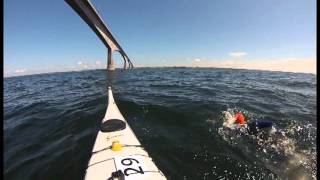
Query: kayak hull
point(130, 159)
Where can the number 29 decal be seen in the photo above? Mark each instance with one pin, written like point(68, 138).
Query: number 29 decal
point(130, 166)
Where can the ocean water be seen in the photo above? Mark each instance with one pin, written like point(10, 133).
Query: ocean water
point(178, 114)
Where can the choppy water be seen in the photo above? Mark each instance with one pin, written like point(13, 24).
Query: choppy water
point(51, 120)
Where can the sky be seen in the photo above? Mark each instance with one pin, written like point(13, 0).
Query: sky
point(43, 36)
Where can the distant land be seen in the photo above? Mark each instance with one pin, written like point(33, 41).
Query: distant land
point(140, 67)
point(307, 65)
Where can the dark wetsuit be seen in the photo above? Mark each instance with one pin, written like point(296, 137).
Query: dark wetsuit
point(255, 126)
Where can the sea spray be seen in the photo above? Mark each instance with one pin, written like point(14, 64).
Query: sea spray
point(276, 148)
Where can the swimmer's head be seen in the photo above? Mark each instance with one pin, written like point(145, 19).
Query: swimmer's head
point(239, 118)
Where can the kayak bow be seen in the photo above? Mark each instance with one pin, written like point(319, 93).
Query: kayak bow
point(117, 153)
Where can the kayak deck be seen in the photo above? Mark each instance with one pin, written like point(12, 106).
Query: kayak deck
point(133, 161)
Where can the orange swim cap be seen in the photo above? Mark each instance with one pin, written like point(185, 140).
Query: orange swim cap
point(240, 118)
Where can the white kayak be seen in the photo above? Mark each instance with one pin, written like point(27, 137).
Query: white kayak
point(117, 153)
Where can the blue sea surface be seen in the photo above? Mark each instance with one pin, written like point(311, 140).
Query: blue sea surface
point(51, 121)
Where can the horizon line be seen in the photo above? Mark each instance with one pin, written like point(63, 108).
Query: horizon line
point(170, 66)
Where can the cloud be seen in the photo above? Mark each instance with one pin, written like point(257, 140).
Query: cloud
point(89, 64)
point(99, 65)
point(285, 65)
point(288, 65)
point(80, 65)
point(228, 62)
point(237, 54)
point(18, 71)
point(197, 60)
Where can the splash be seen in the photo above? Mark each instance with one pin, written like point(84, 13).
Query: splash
point(229, 119)
point(289, 152)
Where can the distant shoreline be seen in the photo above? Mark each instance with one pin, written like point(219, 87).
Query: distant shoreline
point(154, 67)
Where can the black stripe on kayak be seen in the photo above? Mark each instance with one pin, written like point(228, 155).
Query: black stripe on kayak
point(124, 145)
point(100, 162)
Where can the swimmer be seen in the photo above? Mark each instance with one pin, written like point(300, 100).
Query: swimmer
point(252, 127)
